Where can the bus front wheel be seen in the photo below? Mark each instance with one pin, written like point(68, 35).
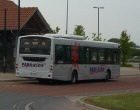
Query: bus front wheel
point(74, 77)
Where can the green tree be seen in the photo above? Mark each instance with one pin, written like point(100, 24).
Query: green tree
point(57, 29)
point(132, 44)
point(115, 40)
point(97, 38)
point(125, 47)
point(136, 53)
point(79, 30)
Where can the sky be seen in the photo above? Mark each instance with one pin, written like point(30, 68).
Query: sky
point(117, 15)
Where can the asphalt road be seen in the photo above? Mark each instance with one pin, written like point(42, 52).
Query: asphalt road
point(124, 83)
point(14, 101)
point(30, 95)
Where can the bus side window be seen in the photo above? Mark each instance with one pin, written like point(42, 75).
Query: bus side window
point(116, 57)
point(93, 57)
point(88, 55)
point(67, 54)
point(82, 55)
point(59, 54)
point(101, 56)
point(109, 56)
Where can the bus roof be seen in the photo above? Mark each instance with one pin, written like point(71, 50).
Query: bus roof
point(79, 39)
point(66, 36)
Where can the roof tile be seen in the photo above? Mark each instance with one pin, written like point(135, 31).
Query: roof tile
point(12, 15)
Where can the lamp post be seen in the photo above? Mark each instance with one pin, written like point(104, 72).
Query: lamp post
point(98, 17)
point(67, 16)
point(18, 18)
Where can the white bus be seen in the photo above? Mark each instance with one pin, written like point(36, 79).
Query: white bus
point(67, 58)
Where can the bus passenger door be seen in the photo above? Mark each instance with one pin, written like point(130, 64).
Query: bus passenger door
point(62, 62)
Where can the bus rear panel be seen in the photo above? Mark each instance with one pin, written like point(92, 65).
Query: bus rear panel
point(34, 58)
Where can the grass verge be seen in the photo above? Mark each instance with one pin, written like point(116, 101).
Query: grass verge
point(116, 102)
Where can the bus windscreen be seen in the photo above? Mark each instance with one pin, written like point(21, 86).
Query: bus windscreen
point(35, 45)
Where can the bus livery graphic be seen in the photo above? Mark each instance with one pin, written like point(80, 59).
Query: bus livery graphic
point(94, 70)
point(75, 55)
point(32, 65)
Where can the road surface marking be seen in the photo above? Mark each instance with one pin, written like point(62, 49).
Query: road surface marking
point(27, 107)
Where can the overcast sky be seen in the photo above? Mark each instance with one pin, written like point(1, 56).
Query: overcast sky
point(117, 15)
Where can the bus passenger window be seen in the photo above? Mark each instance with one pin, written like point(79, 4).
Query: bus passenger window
point(59, 54)
point(109, 57)
point(67, 54)
point(101, 56)
point(87, 55)
point(93, 56)
point(116, 57)
point(82, 55)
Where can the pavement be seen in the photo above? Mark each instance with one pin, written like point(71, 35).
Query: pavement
point(11, 77)
point(128, 71)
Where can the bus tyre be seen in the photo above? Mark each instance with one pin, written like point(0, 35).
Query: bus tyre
point(108, 76)
point(74, 77)
point(42, 81)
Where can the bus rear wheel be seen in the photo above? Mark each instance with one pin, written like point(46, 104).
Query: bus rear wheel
point(74, 77)
point(42, 81)
point(108, 76)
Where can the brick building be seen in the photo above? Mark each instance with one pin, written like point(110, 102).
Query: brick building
point(31, 22)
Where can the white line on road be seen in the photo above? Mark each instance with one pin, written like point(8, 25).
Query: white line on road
point(14, 107)
point(27, 107)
